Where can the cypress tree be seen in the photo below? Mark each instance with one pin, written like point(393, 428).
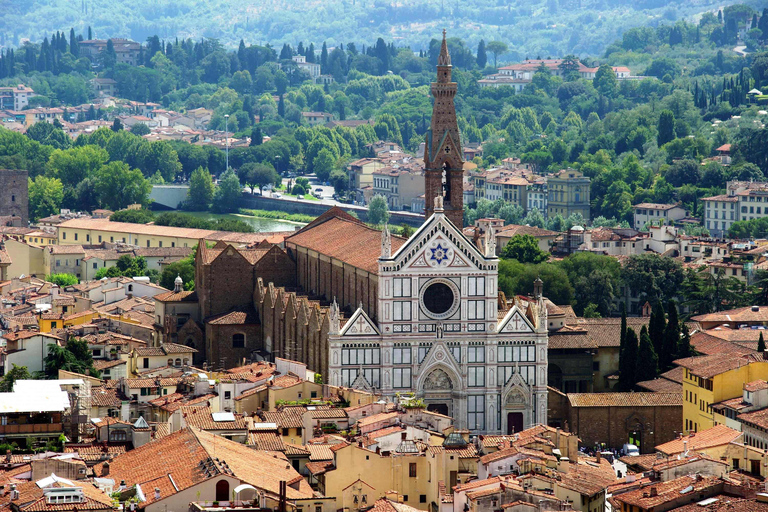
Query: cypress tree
point(761, 344)
point(647, 360)
point(324, 59)
point(482, 55)
point(281, 107)
point(671, 338)
point(684, 346)
point(656, 326)
point(623, 331)
point(628, 362)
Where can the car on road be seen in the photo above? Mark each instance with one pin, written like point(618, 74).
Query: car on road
point(277, 195)
point(300, 196)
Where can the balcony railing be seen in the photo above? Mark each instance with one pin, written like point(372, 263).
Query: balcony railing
point(31, 428)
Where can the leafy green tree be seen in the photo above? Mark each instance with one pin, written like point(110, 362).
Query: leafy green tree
point(257, 175)
point(11, 376)
point(339, 180)
point(75, 164)
point(62, 279)
point(184, 268)
point(227, 196)
point(647, 360)
point(48, 134)
point(596, 279)
point(652, 277)
point(605, 81)
point(75, 357)
point(517, 278)
point(200, 192)
point(117, 186)
point(140, 216)
point(140, 129)
point(666, 127)
point(525, 249)
point(323, 165)
point(378, 210)
point(497, 48)
point(628, 363)
point(45, 196)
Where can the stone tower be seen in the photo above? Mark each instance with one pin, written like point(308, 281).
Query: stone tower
point(442, 152)
point(14, 198)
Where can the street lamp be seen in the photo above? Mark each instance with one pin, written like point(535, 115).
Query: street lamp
point(226, 136)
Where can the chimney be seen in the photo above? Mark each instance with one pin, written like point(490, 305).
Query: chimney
point(685, 447)
point(654, 491)
point(157, 494)
point(598, 456)
point(14, 492)
point(8, 456)
point(105, 469)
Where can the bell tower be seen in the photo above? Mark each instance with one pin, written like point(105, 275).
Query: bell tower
point(442, 152)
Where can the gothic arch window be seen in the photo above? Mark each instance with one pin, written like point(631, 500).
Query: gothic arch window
point(238, 340)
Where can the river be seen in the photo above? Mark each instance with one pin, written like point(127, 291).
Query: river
point(260, 224)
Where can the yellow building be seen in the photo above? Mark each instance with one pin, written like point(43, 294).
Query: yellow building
point(49, 321)
point(568, 192)
point(40, 238)
point(414, 474)
point(26, 259)
point(711, 379)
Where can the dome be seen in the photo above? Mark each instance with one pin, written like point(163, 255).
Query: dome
point(178, 280)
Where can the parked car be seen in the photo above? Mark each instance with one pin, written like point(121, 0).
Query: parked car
point(630, 450)
point(277, 195)
point(299, 197)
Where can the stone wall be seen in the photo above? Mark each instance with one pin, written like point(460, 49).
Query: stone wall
point(14, 194)
point(613, 425)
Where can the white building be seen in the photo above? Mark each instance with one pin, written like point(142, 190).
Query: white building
point(443, 335)
point(655, 214)
point(744, 200)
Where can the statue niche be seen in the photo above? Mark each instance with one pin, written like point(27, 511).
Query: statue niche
point(438, 380)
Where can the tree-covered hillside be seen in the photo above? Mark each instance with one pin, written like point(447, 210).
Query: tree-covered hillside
point(530, 27)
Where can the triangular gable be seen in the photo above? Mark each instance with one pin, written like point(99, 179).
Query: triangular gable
point(438, 226)
point(439, 356)
point(360, 324)
point(361, 383)
point(515, 321)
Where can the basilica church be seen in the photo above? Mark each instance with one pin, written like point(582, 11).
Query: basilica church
point(421, 317)
point(442, 332)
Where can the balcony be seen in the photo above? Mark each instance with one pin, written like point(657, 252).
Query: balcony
point(31, 428)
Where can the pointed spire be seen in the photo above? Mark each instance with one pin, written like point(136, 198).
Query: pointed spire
point(445, 58)
point(386, 242)
point(334, 319)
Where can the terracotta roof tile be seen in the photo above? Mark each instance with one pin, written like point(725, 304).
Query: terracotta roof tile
point(708, 366)
point(625, 399)
point(715, 436)
point(346, 240)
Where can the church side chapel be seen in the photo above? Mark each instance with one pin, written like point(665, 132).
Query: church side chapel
point(441, 329)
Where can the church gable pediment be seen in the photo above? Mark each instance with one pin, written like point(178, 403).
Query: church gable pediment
point(439, 356)
point(515, 321)
point(447, 151)
point(360, 325)
point(439, 245)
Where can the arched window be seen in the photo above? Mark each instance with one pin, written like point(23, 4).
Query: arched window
point(190, 342)
point(13, 198)
point(178, 362)
point(130, 287)
point(117, 435)
point(170, 362)
point(186, 361)
point(238, 340)
point(222, 490)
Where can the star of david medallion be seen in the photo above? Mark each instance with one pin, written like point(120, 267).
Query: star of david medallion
point(439, 254)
